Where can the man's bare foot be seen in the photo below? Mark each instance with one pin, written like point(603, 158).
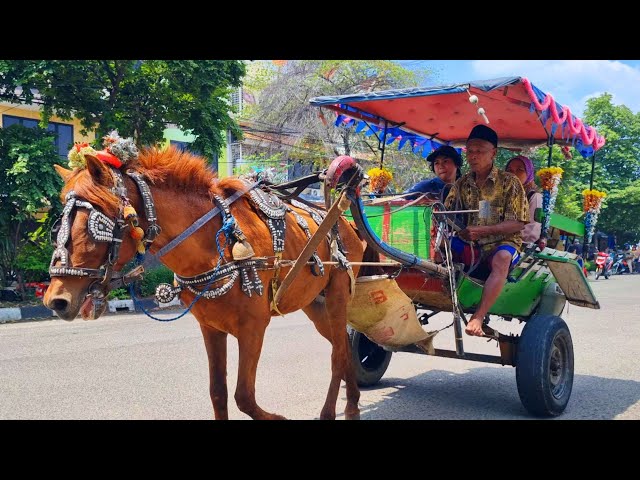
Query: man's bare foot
point(474, 327)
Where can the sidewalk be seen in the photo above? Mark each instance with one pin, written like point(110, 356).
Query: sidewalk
point(22, 314)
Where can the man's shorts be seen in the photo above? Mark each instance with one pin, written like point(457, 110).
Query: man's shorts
point(463, 253)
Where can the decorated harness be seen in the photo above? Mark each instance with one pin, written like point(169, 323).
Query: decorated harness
point(244, 266)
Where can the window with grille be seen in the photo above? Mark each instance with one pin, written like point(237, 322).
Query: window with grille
point(236, 154)
point(236, 99)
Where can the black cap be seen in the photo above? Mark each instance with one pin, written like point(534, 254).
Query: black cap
point(484, 133)
point(445, 151)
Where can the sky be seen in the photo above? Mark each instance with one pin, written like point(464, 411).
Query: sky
point(571, 82)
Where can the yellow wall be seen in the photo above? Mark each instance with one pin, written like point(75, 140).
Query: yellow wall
point(17, 111)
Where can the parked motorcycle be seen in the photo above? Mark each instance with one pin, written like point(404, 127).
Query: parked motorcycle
point(603, 265)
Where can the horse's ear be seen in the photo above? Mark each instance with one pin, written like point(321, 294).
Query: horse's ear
point(97, 170)
point(64, 173)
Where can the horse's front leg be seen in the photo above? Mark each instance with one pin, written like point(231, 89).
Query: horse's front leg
point(250, 338)
point(337, 297)
point(215, 342)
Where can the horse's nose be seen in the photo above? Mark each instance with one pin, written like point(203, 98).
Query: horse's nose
point(59, 304)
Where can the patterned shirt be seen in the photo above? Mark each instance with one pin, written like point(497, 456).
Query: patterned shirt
point(506, 201)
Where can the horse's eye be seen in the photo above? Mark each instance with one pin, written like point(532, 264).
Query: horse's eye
point(53, 234)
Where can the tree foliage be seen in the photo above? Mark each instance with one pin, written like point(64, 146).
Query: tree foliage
point(617, 166)
point(282, 110)
point(29, 187)
point(138, 98)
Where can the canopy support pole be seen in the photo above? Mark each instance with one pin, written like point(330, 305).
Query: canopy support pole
point(550, 143)
point(585, 251)
point(383, 142)
point(593, 167)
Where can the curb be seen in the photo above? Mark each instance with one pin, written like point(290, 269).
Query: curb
point(17, 314)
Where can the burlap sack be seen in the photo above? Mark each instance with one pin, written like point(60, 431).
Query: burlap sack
point(384, 313)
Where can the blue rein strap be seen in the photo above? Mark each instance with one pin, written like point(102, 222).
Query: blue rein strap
point(229, 220)
point(228, 226)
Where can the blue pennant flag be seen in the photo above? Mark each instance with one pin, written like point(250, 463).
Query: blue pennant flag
point(372, 129)
point(544, 116)
point(585, 150)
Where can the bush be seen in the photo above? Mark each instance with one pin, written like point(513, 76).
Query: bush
point(153, 278)
point(119, 294)
point(33, 261)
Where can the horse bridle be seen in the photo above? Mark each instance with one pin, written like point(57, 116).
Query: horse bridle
point(102, 229)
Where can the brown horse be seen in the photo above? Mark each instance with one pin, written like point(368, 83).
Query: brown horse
point(183, 189)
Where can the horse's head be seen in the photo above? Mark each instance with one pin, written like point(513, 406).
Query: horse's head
point(89, 241)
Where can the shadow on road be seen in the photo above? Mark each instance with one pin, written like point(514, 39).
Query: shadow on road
point(488, 393)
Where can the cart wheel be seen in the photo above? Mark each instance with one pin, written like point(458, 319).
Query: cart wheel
point(544, 366)
point(369, 359)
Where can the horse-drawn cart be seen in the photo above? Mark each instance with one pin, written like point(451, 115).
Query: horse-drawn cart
point(225, 242)
point(539, 285)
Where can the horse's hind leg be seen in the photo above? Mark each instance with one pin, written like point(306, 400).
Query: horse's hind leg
point(337, 298)
point(250, 338)
point(215, 342)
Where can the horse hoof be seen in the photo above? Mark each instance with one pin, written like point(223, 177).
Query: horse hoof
point(353, 416)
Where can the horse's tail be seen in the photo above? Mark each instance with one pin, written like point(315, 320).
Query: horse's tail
point(370, 255)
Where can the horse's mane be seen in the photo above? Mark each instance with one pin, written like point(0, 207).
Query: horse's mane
point(169, 168)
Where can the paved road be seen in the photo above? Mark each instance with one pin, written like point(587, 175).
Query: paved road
point(131, 367)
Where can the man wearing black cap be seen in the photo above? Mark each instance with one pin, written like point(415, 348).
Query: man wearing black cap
point(503, 211)
point(445, 162)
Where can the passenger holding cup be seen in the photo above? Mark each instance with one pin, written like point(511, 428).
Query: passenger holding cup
point(496, 228)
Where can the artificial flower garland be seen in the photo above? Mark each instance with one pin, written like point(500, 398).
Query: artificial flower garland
point(550, 178)
point(379, 179)
point(591, 204)
point(77, 153)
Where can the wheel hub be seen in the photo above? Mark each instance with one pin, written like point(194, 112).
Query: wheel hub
point(557, 367)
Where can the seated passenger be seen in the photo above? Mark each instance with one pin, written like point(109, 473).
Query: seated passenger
point(503, 211)
point(522, 167)
point(445, 162)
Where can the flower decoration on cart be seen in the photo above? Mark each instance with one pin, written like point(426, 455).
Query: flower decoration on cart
point(379, 179)
point(550, 178)
point(592, 203)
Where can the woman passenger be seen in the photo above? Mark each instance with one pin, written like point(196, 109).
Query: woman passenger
point(522, 167)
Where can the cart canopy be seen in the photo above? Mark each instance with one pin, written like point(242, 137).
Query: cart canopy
point(427, 117)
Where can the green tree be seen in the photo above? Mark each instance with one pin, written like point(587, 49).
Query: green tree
point(617, 167)
point(29, 188)
point(138, 98)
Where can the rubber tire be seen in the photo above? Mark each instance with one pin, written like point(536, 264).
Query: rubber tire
point(545, 389)
point(598, 273)
point(376, 358)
